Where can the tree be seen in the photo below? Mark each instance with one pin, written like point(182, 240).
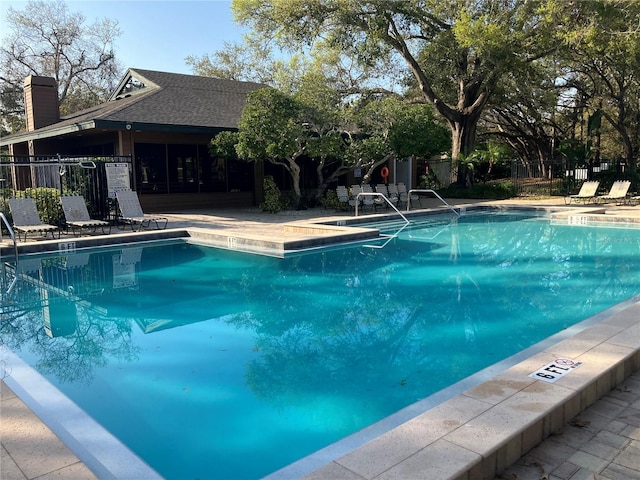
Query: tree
point(456, 50)
point(390, 128)
point(603, 41)
point(252, 60)
point(526, 113)
point(241, 62)
point(271, 129)
point(47, 39)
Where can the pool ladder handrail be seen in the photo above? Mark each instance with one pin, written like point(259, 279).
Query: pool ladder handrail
point(419, 190)
point(389, 237)
point(15, 245)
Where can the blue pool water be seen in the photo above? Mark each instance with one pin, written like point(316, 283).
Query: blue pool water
point(218, 364)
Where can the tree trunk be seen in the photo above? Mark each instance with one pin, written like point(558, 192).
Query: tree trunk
point(322, 183)
point(294, 171)
point(367, 176)
point(463, 136)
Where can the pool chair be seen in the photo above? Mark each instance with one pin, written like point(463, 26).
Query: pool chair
point(343, 198)
point(131, 212)
point(77, 217)
point(618, 192)
point(586, 194)
point(354, 200)
point(381, 202)
point(368, 200)
point(404, 195)
point(26, 219)
point(394, 196)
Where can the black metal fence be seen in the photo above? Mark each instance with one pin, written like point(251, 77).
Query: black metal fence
point(45, 178)
point(532, 179)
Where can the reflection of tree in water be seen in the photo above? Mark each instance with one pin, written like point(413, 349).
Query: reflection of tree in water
point(365, 339)
point(71, 358)
point(389, 335)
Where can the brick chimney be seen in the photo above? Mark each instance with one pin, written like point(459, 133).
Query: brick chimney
point(40, 102)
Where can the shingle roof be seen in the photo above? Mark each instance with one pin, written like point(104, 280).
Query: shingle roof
point(187, 100)
point(171, 99)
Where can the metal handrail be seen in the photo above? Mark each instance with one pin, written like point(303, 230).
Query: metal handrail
point(11, 233)
point(378, 194)
point(429, 191)
point(15, 247)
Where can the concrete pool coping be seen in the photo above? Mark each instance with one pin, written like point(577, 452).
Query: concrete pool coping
point(477, 414)
point(292, 236)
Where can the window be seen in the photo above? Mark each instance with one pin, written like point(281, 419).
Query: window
point(151, 167)
point(182, 168)
point(212, 171)
point(132, 86)
point(240, 176)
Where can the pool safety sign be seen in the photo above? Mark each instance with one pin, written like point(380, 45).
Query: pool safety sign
point(555, 370)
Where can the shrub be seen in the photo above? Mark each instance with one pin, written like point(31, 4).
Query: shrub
point(490, 190)
point(330, 200)
point(272, 196)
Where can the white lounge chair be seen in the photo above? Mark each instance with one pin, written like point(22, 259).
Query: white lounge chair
point(383, 189)
point(618, 192)
point(77, 217)
point(343, 198)
point(367, 200)
point(26, 218)
point(404, 195)
point(131, 211)
point(586, 194)
point(394, 195)
point(354, 200)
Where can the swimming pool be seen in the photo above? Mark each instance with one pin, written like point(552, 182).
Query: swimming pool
point(232, 353)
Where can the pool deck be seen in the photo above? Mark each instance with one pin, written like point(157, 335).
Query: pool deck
point(585, 425)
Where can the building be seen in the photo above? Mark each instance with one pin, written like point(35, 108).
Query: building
point(164, 122)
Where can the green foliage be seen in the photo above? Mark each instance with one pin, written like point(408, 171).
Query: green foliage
point(498, 190)
point(456, 53)
point(223, 145)
point(489, 161)
point(330, 200)
point(415, 131)
point(4, 208)
point(429, 181)
point(269, 127)
point(272, 196)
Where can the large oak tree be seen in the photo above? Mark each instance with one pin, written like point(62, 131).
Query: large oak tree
point(457, 51)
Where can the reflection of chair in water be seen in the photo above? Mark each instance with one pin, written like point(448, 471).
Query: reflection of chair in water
point(77, 216)
point(26, 218)
point(76, 278)
point(124, 268)
point(29, 266)
point(131, 211)
point(76, 260)
point(60, 315)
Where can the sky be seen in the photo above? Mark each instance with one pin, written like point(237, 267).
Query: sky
point(157, 34)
